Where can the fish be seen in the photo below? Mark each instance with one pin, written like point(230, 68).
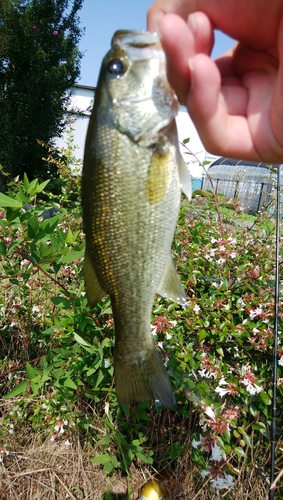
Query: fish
point(131, 188)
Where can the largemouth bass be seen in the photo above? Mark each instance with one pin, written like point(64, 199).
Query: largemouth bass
point(131, 196)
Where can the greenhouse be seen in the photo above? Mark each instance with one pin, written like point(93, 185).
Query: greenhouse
point(253, 183)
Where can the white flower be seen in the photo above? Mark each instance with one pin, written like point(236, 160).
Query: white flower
point(68, 443)
point(196, 444)
point(168, 336)
point(216, 453)
point(255, 312)
point(233, 255)
point(221, 483)
point(153, 330)
point(222, 248)
point(206, 373)
point(173, 323)
point(216, 285)
point(204, 473)
point(221, 390)
point(280, 362)
point(210, 413)
point(240, 304)
point(196, 309)
point(231, 240)
point(24, 262)
point(203, 423)
point(251, 388)
point(221, 261)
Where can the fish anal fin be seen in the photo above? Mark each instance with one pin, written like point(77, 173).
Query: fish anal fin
point(94, 290)
point(171, 287)
point(143, 378)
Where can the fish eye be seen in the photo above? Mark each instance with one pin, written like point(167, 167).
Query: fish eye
point(117, 67)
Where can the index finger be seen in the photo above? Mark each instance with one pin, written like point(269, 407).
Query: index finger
point(161, 7)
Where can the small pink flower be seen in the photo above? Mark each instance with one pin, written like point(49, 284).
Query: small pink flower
point(55, 32)
point(34, 27)
point(42, 99)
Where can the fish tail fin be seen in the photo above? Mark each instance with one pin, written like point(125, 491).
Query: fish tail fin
point(143, 379)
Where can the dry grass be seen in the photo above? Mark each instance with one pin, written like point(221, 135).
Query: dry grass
point(51, 471)
point(38, 469)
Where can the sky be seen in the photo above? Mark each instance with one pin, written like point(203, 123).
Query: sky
point(101, 18)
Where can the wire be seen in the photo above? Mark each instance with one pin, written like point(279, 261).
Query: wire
point(276, 313)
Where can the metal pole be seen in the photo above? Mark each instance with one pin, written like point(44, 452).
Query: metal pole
point(276, 311)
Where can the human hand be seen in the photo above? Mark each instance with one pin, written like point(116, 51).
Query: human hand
point(236, 101)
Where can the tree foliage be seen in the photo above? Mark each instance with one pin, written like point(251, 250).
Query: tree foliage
point(39, 64)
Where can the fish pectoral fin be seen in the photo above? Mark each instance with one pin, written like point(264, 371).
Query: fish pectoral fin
point(171, 287)
point(158, 177)
point(143, 378)
point(94, 290)
point(185, 178)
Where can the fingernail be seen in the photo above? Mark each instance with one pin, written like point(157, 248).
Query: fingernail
point(192, 23)
point(157, 30)
point(192, 68)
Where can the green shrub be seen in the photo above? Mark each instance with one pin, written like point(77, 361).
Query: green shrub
point(56, 354)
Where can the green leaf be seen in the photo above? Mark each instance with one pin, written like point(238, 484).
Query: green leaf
point(99, 378)
point(41, 186)
point(32, 187)
point(108, 467)
point(185, 141)
point(144, 458)
point(33, 227)
point(31, 371)
point(20, 389)
point(265, 398)
point(26, 181)
point(70, 384)
point(6, 201)
point(102, 459)
point(2, 248)
point(81, 341)
point(15, 244)
point(239, 451)
point(62, 302)
point(71, 256)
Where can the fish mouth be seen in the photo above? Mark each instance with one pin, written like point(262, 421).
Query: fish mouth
point(139, 44)
point(135, 100)
point(132, 100)
point(137, 39)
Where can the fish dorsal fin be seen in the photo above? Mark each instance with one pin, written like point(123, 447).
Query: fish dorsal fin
point(94, 291)
point(185, 178)
point(171, 287)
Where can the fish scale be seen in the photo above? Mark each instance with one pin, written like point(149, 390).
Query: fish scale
point(131, 187)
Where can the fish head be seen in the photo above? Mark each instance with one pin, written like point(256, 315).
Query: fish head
point(137, 95)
